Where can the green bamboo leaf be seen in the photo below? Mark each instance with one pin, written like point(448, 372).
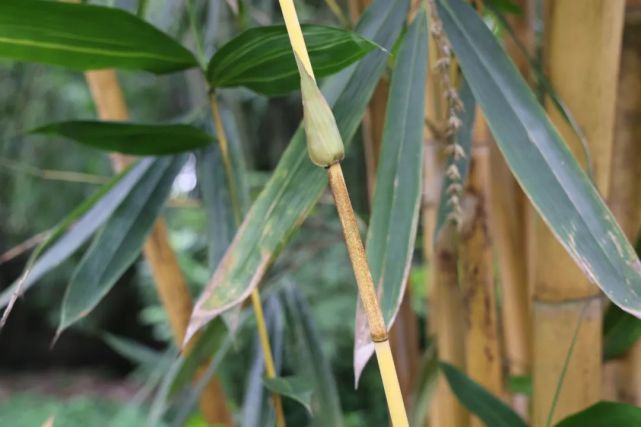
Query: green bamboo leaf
point(309, 360)
point(297, 388)
point(65, 240)
point(464, 139)
point(262, 59)
point(489, 408)
point(395, 206)
point(296, 184)
point(620, 331)
point(118, 244)
point(541, 162)
point(605, 414)
point(86, 37)
point(130, 138)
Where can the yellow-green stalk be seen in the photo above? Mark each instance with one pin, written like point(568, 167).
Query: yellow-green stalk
point(325, 147)
point(255, 295)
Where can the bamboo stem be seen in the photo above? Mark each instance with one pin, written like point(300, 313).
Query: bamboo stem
point(477, 284)
point(368, 296)
point(255, 294)
point(170, 284)
point(582, 50)
point(625, 183)
point(445, 314)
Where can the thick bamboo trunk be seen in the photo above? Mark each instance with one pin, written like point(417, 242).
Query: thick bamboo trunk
point(582, 45)
point(625, 181)
point(170, 284)
point(477, 282)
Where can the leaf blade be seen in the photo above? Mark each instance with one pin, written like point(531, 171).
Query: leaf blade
point(130, 138)
point(86, 37)
point(490, 409)
point(119, 243)
point(604, 414)
point(541, 162)
point(294, 387)
point(395, 207)
point(262, 60)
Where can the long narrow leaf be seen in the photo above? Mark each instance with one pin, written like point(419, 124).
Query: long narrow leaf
point(489, 408)
point(395, 207)
point(130, 138)
point(261, 58)
point(605, 414)
point(116, 247)
point(73, 231)
point(86, 37)
point(296, 183)
point(541, 162)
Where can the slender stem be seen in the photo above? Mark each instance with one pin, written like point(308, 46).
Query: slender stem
point(368, 296)
point(255, 295)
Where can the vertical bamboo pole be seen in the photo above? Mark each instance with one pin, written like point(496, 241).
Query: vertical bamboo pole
point(329, 152)
point(625, 181)
point(508, 224)
point(170, 284)
point(477, 281)
point(582, 46)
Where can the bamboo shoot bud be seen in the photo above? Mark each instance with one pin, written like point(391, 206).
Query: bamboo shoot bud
point(324, 143)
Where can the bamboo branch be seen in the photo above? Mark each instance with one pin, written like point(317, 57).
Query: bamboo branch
point(255, 295)
point(170, 284)
point(325, 148)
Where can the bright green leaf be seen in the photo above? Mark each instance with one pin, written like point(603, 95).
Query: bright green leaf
point(65, 240)
point(296, 184)
point(297, 388)
point(489, 408)
point(86, 37)
point(541, 162)
point(130, 138)
point(395, 206)
point(261, 58)
point(118, 244)
point(605, 414)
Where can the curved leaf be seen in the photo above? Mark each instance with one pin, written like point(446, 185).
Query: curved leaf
point(86, 37)
point(73, 231)
point(605, 414)
point(620, 331)
point(261, 58)
point(118, 244)
point(395, 206)
point(489, 408)
point(541, 162)
point(297, 388)
point(296, 184)
point(130, 138)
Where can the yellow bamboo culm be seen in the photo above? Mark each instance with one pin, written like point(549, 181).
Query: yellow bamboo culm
point(319, 130)
point(257, 305)
point(625, 181)
point(170, 284)
point(482, 348)
point(582, 48)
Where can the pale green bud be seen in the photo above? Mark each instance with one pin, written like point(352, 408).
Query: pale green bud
point(324, 143)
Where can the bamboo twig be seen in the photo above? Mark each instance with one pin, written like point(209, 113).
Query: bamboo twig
point(325, 148)
point(255, 294)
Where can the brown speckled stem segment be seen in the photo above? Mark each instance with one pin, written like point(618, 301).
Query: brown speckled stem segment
point(357, 254)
